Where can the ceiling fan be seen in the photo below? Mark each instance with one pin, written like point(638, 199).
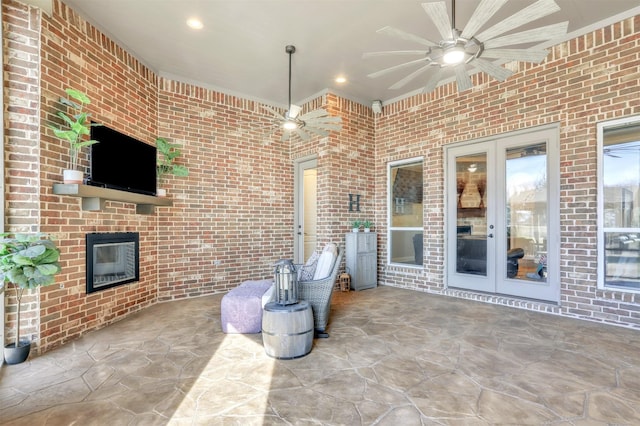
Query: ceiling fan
point(316, 122)
point(470, 47)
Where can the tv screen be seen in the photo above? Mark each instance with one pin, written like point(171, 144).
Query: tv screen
point(121, 162)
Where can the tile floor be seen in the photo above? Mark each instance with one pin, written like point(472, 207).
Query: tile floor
point(394, 357)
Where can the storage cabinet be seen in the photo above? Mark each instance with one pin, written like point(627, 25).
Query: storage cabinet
point(361, 259)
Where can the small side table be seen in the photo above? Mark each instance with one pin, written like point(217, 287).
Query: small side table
point(287, 330)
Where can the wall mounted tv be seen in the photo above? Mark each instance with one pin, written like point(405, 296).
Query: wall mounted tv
point(121, 162)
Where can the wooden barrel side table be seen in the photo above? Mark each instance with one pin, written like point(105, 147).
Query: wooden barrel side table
point(287, 330)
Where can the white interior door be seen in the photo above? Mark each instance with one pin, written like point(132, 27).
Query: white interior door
point(502, 211)
point(306, 211)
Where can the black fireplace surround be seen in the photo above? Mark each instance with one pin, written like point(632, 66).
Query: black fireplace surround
point(113, 259)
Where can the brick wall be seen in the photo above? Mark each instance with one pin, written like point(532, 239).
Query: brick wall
point(124, 97)
point(584, 81)
point(22, 151)
point(233, 215)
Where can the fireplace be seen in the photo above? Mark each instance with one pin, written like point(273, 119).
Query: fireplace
point(113, 259)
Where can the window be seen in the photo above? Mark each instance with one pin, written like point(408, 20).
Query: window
point(405, 213)
point(619, 204)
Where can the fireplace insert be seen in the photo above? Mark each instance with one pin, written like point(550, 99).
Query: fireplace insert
point(113, 259)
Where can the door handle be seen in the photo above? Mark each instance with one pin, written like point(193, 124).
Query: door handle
point(490, 236)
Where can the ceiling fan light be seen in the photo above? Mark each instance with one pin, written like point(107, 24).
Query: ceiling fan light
point(289, 125)
point(453, 55)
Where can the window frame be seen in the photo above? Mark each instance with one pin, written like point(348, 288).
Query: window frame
point(601, 230)
point(390, 228)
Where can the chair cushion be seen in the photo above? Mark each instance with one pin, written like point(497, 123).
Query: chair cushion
point(326, 261)
point(269, 295)
point(306, 271)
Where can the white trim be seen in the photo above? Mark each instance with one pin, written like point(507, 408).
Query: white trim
point(600, 128)
point(390, 165)
point(300, 164)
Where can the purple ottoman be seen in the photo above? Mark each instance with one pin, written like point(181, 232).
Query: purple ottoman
point(241, 308)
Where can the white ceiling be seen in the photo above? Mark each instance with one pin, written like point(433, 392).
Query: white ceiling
point(241, 50)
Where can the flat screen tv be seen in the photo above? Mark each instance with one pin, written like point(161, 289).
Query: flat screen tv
point(121, 162)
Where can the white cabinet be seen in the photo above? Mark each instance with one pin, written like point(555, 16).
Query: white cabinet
point(361, 259)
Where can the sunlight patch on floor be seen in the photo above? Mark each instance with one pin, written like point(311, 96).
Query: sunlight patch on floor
point(235, 382)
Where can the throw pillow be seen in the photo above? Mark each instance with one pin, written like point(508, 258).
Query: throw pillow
point(305, 273)
point(326, 261)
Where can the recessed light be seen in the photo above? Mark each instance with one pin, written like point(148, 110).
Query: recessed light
point(195, 23)
point(341, 79)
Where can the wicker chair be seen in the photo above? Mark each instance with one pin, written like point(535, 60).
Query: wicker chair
point(318, 294)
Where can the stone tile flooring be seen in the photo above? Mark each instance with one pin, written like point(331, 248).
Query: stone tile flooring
point(394, 357)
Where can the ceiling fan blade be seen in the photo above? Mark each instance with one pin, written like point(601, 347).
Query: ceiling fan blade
point(462, 78)
point(272, 111)
point(394, 32)
point(535, 11)
point(320, 112)
point(495, 71)
point(317, 131)
point(432, 83)
point(327, 120)
point(548, 32)
point(301, 134)
point(285, 135)
point(395, 67)
point(324, 128)
point(393, 53)
point(485, 10)
point(523, 55)
point(438, 13)
point(410, 77)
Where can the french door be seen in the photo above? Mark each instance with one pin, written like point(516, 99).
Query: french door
point(502, 215)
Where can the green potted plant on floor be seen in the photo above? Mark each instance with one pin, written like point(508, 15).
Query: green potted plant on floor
point(167, 154)
point(27, 261)
point(74, 131)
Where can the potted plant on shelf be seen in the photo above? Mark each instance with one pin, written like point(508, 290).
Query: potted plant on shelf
point(367, 225)
point(355, 225)
point(168, 152)
point(27, 261)
point(76, 127)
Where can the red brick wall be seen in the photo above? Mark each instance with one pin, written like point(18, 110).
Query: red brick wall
point(345, 162)
point(233, 215)
point(584, 81)
point(22, 151)
point(123, 95)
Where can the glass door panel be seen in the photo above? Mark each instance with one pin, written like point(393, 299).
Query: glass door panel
point(526, 212)
point(471, 220)
point(470, 236)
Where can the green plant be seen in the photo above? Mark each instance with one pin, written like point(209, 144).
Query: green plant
point(77, 126)
point(367, 224)
point(356, 224)
point(168, 152)
point(27, 261)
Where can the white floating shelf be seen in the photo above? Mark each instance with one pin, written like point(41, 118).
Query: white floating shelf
point(94, 197)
